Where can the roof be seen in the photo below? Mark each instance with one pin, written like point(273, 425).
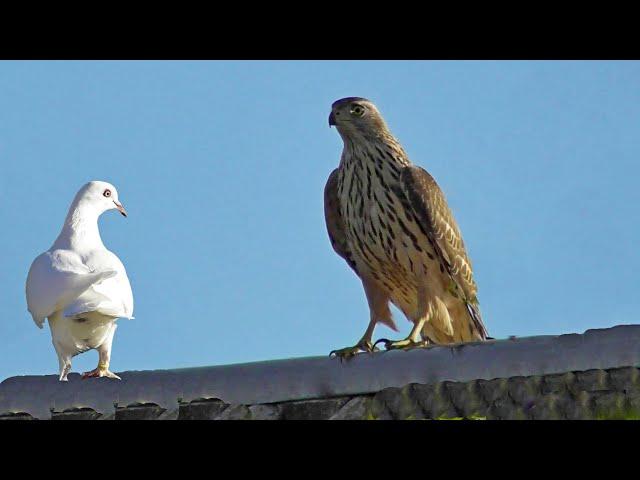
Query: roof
point(323, 378)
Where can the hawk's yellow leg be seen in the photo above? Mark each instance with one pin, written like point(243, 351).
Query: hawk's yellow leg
point(363, 345)
point(415, 337)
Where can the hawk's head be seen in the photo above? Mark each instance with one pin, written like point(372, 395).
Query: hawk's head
point(356, 117)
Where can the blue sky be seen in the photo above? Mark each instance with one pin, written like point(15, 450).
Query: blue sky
point(222, 165)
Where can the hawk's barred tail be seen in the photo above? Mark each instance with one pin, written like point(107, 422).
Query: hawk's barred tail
point(474, 313)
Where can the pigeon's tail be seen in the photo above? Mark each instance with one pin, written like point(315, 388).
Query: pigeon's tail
point(107, 309)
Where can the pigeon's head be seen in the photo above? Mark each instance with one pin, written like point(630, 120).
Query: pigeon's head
point(356, 116)
point(101, 195)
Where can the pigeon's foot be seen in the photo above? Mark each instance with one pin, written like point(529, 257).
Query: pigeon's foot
point(405, 344)
point(348, 352)
point(100, 372)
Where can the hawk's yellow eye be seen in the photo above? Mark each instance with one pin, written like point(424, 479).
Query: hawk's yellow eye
point(357, 110)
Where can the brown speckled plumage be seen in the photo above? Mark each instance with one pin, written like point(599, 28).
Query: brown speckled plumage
point(390, 221)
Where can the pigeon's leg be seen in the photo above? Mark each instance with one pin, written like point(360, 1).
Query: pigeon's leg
point(104, 352)
point(414, 339)
point(379, 311)
point(64, 363)
point(65, 366)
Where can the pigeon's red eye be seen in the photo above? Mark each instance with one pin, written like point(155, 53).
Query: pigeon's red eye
point(107, 193)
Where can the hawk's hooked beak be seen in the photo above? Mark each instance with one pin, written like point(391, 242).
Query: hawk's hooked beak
point(332, 120)
point(120, 208)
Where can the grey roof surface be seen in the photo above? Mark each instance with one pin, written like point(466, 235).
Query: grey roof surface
point(323, 377)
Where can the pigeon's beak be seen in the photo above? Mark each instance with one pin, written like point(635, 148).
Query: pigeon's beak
point(332, 120)
point(120, 208)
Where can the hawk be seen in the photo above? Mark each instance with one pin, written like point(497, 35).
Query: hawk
point(389, 220)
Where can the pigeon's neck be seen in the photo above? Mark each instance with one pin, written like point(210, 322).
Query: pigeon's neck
point(80, 230)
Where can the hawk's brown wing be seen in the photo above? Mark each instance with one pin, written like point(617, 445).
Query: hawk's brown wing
point(335, 223)
point(436, 221)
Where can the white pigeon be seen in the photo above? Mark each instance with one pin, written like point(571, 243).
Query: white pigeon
point(79, 285)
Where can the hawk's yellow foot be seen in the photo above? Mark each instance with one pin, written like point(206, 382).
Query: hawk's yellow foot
point(348, 352)
point(407, 343)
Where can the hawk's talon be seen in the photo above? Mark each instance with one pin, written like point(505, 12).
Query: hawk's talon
point(348, 352)
point(368, 347)
point(345, 353)
point(405, 344)
point(382, 340)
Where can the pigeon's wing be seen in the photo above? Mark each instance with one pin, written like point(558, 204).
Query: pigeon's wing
point(112, 297)
point(436, 221)
point(335, 223)
point(56, 279)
